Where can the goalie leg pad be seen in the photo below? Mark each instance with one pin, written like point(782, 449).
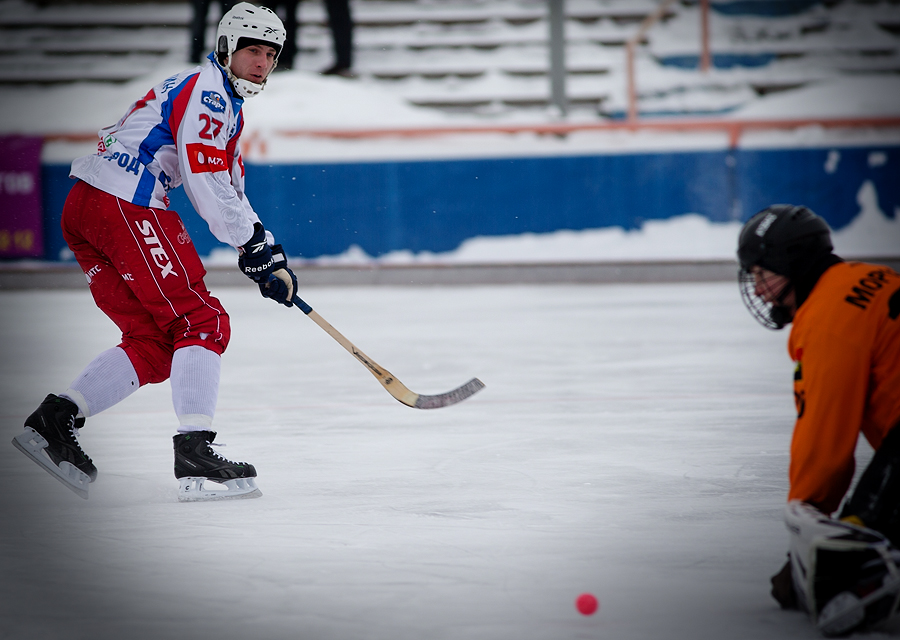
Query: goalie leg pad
point(846, 576)
point(199, 489)
point(32, 444)
point(872, 598)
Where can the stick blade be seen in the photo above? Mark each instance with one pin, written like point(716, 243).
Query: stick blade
point(459, 394)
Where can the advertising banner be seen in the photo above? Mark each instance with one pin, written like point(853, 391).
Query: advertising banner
point(21, 219)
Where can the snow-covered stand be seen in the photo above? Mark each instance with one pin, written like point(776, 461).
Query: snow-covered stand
point(487, 61)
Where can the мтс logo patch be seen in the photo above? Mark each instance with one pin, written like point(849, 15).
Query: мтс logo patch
point(203, 158)
point(213, 101)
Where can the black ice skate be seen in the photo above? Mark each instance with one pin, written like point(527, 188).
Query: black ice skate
point(50, 440)
point(196, 463)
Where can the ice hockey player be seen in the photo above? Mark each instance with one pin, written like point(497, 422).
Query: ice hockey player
point(143, 270)
point(842, 565)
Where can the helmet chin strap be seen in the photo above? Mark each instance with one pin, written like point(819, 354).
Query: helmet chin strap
point(245, 88)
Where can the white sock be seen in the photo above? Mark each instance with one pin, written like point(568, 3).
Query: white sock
point(195, 387)
point(106, 381)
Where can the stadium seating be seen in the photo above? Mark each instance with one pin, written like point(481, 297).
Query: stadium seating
point(489, 57)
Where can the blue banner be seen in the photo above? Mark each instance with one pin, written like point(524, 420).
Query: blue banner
point(324, 209)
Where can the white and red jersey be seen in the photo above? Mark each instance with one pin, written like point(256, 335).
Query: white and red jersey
point(184, 131)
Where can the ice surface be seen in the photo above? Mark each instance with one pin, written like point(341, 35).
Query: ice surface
point(632, 441)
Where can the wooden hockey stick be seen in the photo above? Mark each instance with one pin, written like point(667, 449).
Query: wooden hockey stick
point(386, 378)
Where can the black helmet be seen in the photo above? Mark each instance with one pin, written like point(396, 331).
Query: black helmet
point(785, 239)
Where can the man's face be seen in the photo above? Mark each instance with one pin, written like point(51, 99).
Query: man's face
point(769, 286)
point(253, 63)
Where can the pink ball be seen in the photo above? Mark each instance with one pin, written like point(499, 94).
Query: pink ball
point(586, 604)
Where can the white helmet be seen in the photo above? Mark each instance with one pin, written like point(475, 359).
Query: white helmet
point(247, 22)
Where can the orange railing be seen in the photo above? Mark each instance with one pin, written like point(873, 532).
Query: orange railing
point(637, 38)
point(254, 143)
point(630, 45)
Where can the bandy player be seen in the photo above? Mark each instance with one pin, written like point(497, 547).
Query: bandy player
point(143, 269)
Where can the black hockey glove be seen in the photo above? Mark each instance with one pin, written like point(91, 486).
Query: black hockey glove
point(282, 283)
point(267, 267)
point(255, 258)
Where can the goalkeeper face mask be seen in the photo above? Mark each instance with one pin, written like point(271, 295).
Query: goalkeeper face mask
point(776, 250)
point(768, 296)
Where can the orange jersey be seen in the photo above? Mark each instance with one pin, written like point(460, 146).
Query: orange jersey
point(845, 343)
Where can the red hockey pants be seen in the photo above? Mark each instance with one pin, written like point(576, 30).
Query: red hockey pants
point(145, 274)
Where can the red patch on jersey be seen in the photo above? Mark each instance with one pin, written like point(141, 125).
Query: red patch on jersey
point(206, 159)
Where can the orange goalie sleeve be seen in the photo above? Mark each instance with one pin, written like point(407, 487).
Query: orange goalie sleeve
point(845, 343)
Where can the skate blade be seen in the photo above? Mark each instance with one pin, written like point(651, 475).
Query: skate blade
point(196, 490)
point(843, 613)
point(846, 612)
point(32, 444)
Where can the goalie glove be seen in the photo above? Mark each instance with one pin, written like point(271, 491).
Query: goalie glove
point(267, 267)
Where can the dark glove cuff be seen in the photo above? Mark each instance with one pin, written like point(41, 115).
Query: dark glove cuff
point(256, 242)
point(256, 260)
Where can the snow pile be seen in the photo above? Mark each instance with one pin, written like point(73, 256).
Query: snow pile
point(871, 233)
point(849, 96)
point(689, 237)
